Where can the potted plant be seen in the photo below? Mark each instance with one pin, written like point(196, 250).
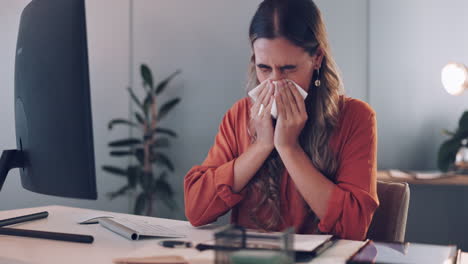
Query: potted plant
point(148, 176)
point(448, 150)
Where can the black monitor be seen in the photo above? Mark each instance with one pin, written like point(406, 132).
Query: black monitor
point(55, 152)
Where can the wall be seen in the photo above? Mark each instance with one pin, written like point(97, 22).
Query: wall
point(410, 42)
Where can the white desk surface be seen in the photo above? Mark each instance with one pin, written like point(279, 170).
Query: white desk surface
point(107, 245)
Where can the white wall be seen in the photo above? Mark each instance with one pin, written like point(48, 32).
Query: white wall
point(347, 25)
point(410, 43)
point(108, 55)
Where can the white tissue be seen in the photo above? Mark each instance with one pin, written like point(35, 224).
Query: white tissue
point(274, 111)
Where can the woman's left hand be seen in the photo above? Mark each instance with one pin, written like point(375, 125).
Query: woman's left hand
point(292, 116)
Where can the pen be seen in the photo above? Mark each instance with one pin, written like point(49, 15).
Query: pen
point(23, 218)
point(46, 235)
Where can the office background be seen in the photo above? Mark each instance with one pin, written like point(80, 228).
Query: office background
point(390, 53)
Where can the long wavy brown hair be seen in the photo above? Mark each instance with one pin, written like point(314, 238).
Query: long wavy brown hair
point(299, 21)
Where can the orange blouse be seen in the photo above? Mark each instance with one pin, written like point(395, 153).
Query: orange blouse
point(208, 187)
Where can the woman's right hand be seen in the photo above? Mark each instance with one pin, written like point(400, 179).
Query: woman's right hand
point(260, 113)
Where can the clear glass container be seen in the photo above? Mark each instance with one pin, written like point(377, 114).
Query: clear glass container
point(236, 245)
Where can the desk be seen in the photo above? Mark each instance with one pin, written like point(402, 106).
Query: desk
point(461, 180)
point(107, 245)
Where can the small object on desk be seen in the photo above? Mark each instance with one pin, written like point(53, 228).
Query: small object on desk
point(235, 244)
point(94, 220)
point(23, 218)
point(421, 175)
point(136, 229)
point(47, 235)
point(175, 244)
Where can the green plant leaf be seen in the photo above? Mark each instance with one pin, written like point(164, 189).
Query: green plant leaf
point(463, 124)
point(135, 98)
point(147, 76)
point(139, 118)
point(164, 192)
point(133, 173)
point(125, 142)
point(447, 152)
point(448, 133)
point(162, 85)
point(114, 170)
point(118, 121)
point(146, 104)
point(163, 188)
point(140, 204)
point(166, 131)
point(167, 107)
point(160, 143)
point(147, 181)
point(163, 175)
point(123, 190)
point(162, 159)
point(121, 153)
point(139, 154)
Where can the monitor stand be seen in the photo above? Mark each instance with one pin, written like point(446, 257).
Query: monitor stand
point(10, 159)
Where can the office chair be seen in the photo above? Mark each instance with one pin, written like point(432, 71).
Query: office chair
point(389, 222)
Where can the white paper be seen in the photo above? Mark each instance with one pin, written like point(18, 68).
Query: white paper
point(274, 111)
point(309, 242)
point(339, 252)
point(422, 175)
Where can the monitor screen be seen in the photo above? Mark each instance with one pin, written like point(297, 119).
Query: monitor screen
point(52, 100)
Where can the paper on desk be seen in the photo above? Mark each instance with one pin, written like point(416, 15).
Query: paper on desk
point(422, 175)
point(157, 254)
point(309, 242)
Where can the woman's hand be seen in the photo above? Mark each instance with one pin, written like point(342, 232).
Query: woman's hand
point(292, 116)
point(260, 113)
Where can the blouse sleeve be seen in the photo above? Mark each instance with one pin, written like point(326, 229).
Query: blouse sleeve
point(208, 190)
point(354, 197)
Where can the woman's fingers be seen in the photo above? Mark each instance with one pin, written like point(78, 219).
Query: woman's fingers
point(280, 104)
point(295, 97)
point(287, 100)
point(262, 100)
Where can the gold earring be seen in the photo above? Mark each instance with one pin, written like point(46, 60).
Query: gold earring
point(317, 81)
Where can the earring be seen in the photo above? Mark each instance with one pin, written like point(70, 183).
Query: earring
point(317, 81)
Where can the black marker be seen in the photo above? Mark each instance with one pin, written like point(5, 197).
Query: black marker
point(24, 218)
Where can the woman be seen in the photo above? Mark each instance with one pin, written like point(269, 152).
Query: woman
point(314, 167)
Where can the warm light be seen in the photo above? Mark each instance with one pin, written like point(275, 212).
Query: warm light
point(455, 78)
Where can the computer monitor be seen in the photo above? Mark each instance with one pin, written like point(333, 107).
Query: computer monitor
point(55, 152)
